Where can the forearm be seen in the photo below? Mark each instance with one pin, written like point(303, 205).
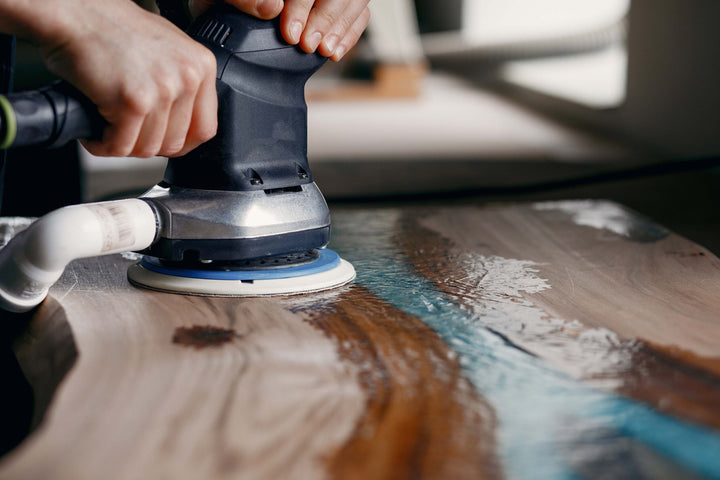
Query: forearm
point(154, 85)
point(39, 21)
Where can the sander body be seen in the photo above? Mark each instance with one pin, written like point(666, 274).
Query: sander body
point(248, 192)
point(240, 214)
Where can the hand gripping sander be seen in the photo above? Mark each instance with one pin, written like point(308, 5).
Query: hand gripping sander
point(239, 215)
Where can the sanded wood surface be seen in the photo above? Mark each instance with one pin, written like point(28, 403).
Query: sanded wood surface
point(553, 340)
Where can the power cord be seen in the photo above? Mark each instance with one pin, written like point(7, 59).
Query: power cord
point(644, 171)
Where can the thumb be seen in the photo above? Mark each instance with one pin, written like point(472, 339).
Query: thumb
point(265, 9)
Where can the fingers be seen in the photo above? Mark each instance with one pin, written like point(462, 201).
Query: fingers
point(294, 19)
point(119, 137)
point(171, 114)
point(158, 94)
point(192, 119)
point(330, 27)
point(175, 138)
point(351, 36)
point(203, 122)
point(154, 127)
point(154, 85)
point(265, 9)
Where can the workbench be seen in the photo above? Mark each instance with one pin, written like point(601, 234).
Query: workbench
point(563, 339)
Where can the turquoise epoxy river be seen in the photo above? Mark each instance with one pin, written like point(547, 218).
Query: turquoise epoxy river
point(549, 425)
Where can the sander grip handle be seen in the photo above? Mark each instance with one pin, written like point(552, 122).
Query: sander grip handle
point(48, 117)
point(261, 141)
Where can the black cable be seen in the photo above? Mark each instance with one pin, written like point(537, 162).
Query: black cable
point(644, 171)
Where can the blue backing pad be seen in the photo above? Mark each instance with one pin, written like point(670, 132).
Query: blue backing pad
point(327, 260)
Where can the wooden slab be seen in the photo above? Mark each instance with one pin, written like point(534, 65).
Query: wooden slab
point(554, 340)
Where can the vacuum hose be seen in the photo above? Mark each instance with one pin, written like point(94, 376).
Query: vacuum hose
point(36, 257)
point(48, 117)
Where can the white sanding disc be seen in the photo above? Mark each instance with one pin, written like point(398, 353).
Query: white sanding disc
point(339, 274)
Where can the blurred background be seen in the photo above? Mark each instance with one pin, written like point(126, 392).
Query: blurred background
point(477, 101)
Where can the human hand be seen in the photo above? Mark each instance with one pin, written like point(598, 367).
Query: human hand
point(331, 27)
point(153, 84)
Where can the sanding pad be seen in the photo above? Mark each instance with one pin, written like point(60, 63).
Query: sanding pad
point(328, 271)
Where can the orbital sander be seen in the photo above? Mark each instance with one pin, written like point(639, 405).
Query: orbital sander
point(239, 215)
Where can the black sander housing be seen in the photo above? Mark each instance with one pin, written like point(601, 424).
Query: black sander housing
point(248, 193)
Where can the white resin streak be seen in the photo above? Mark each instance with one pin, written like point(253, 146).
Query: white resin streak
point(498, 291)
point(602, 215)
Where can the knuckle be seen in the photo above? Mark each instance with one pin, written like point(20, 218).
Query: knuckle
point(97, 149)
point(139, 101)
point(205, 132)
point(168, 90)
point(146, 149)
point(207, 60)
point(172, 148)
point(192, 77)
point(119, 149)
point(325, 17)
point(196, 69)
point(144, 152)
point(344, 23)
point(173, 143)
point(117, 144)
point(364, 19)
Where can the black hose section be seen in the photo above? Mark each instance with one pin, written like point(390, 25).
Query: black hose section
point(54, 115)
point(76, 116)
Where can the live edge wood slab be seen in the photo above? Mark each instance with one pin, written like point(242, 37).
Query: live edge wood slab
point(568, 339)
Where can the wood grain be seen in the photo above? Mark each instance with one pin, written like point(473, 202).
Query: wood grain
point(424, 419)
point(169, 386)
point(138, 405)
point(596, 326)
point(634, 315)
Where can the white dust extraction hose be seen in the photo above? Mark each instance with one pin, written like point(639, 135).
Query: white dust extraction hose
point(36, 258)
